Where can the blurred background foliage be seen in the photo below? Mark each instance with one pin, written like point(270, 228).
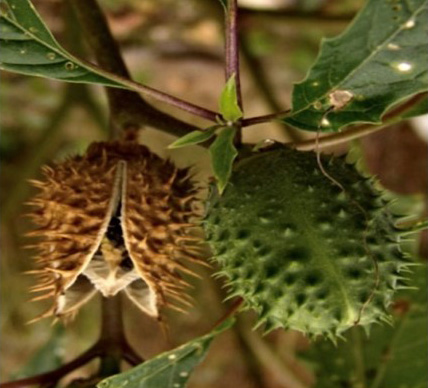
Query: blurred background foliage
point(175, 46)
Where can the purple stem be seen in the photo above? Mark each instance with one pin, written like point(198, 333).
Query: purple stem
point(232, 47)
point(265, 118)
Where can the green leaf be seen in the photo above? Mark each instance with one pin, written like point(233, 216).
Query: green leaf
point(168, 370)
point(223, 153)
point(28, 47)
point(392, 357)
point(229, 107)
point(378, 61)
point(194, 137)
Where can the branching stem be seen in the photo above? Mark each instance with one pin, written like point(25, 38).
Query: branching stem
point(111, 348)
point(128, 110)
point(55, 375)
point(163, 97)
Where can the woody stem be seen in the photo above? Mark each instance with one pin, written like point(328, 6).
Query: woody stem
point(111, 348)
point(112, 343)
point(112, 335)
point(54, 376)
point(127, 108)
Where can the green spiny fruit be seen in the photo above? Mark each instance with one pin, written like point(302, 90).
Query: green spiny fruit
point(311, 250)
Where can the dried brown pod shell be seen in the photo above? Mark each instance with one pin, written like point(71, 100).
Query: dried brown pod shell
point(118, 218)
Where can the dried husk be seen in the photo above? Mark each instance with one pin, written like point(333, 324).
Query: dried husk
point(117, 218)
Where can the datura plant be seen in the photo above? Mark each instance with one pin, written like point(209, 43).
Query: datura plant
point(307, 242)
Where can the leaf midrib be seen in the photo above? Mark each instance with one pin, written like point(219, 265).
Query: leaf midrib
point(68, 57)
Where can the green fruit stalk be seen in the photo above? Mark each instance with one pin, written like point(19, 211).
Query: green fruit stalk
point(310, 250)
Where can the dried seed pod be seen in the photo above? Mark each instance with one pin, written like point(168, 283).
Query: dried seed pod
point(117, 218)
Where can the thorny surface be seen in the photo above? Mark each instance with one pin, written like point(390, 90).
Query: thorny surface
point(177, 48)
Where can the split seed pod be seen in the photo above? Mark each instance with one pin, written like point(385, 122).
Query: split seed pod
point(118, 218)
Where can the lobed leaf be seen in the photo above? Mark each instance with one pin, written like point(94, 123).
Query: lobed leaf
point(170, 369)
point(377, 62)
point(223, 153)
